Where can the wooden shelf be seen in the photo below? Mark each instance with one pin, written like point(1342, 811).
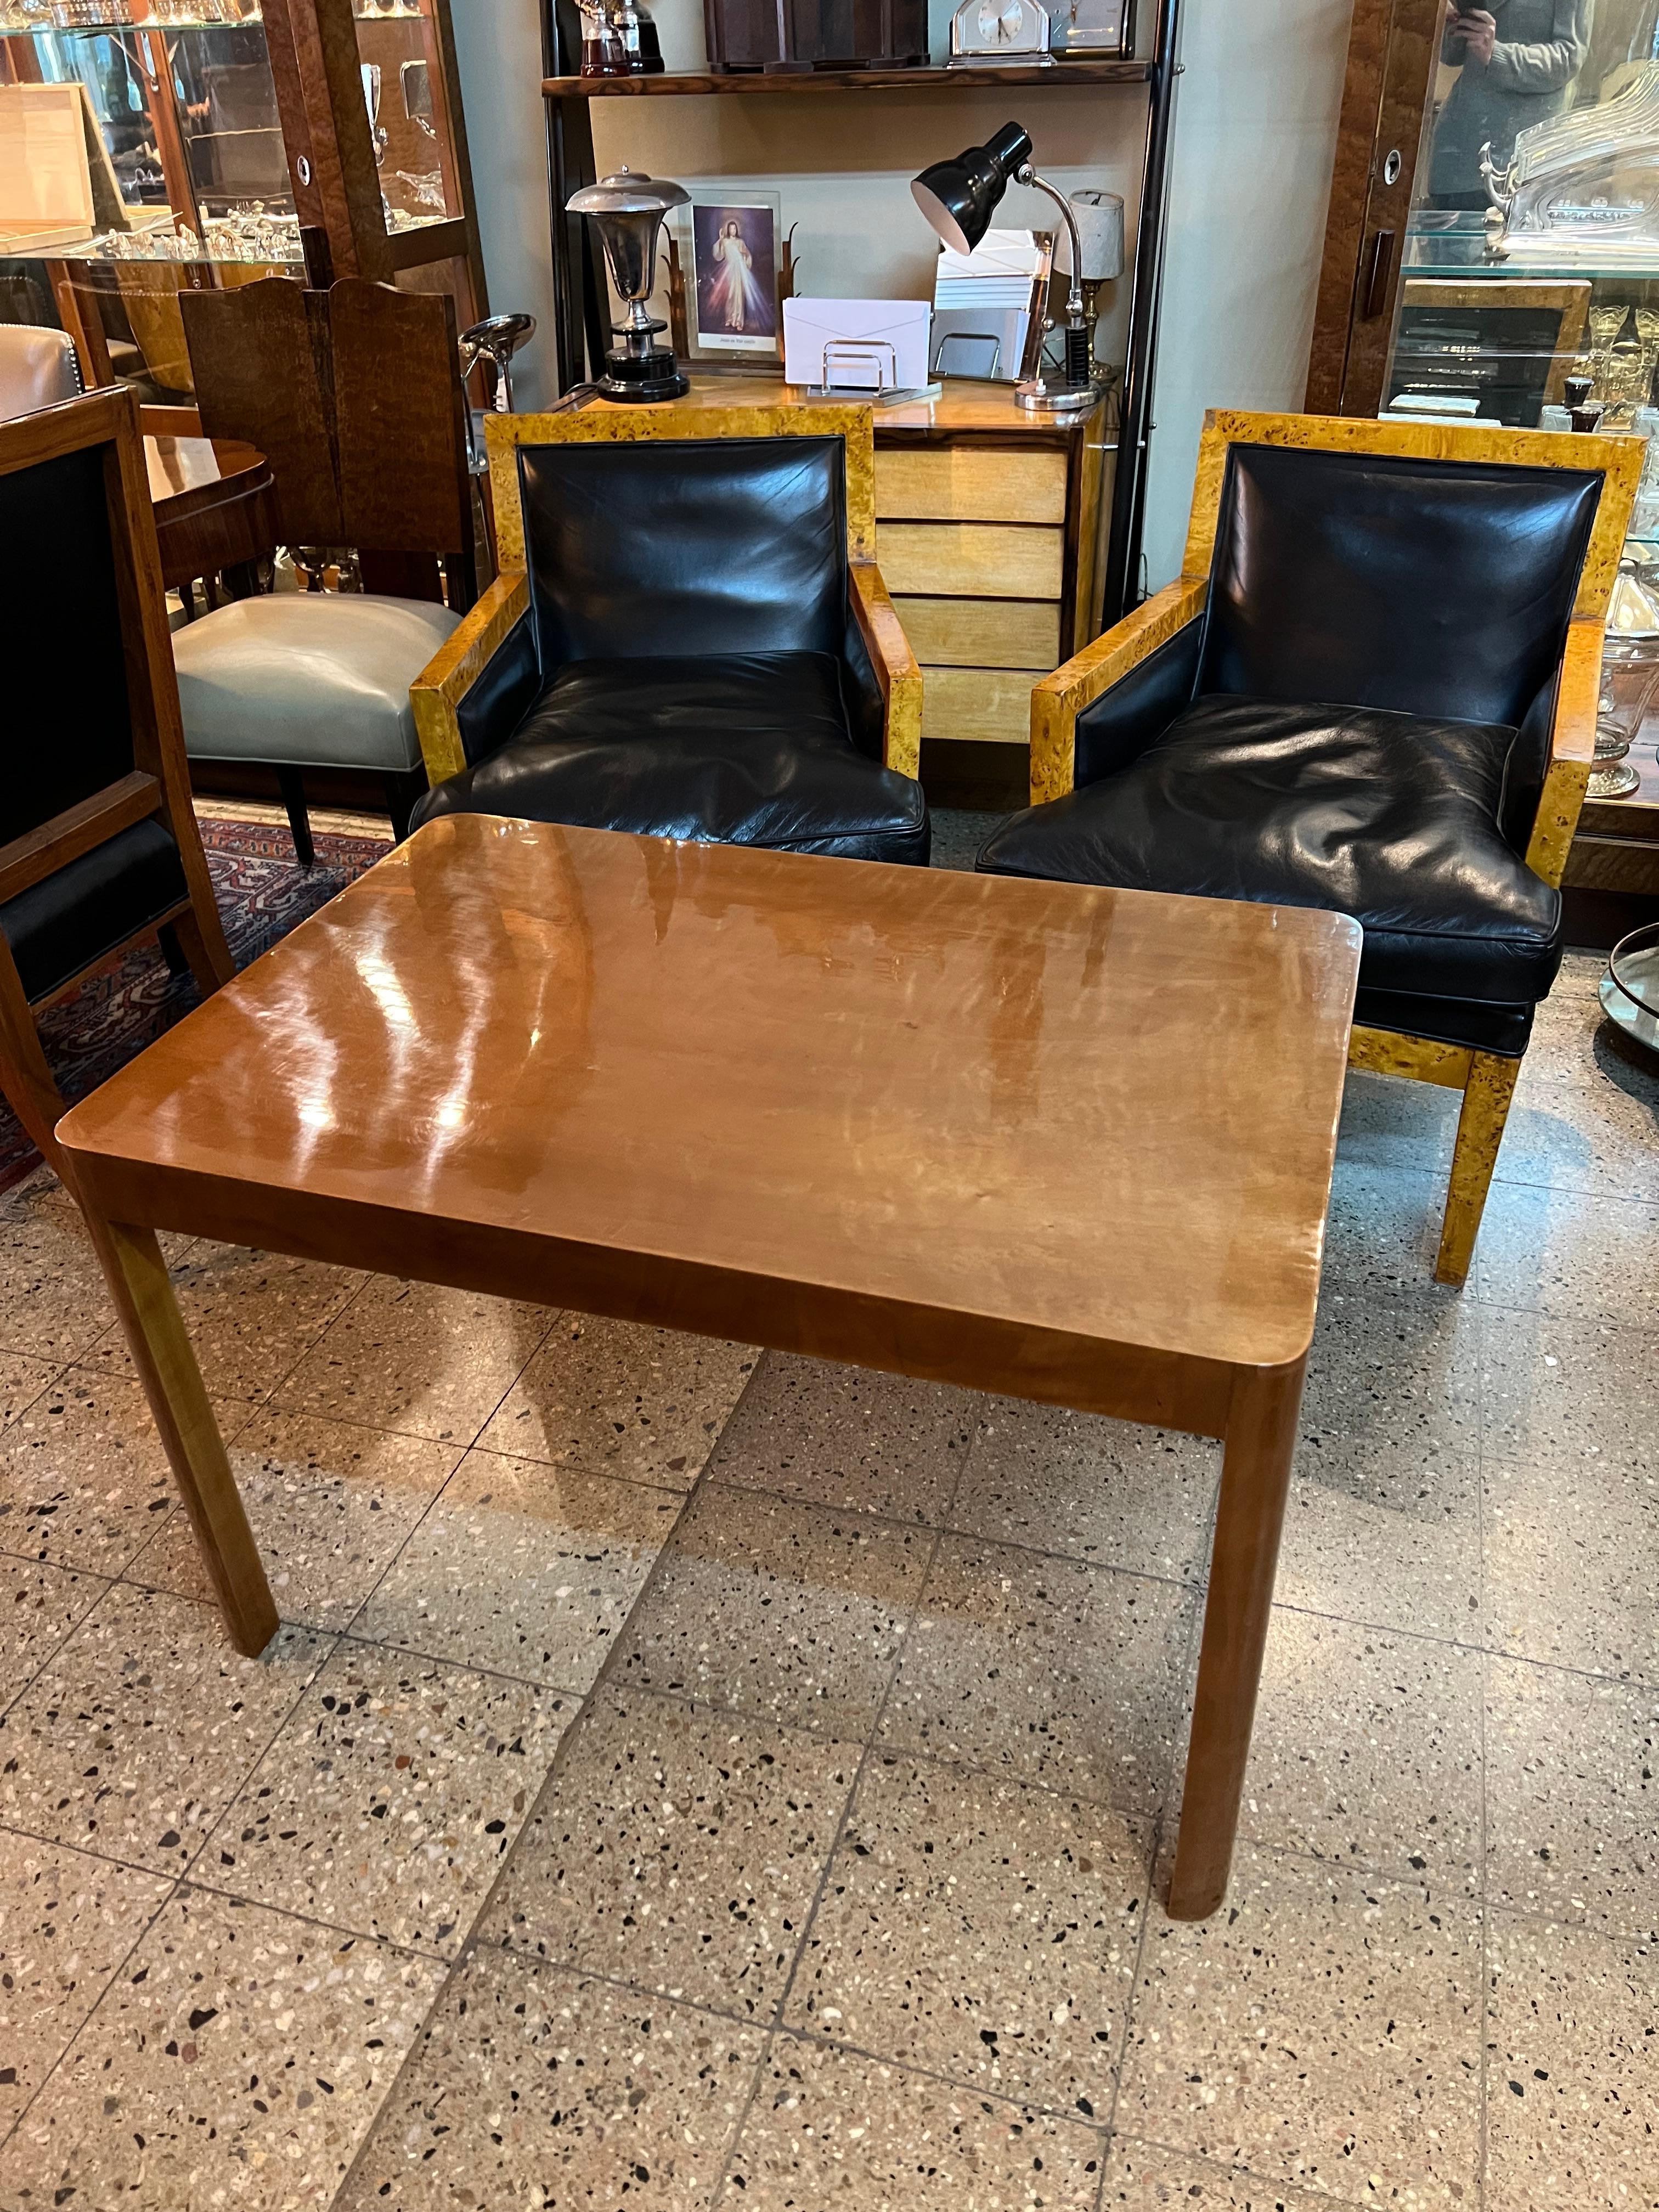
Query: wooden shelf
point(1026, 74)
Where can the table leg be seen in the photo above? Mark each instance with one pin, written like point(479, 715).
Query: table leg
point(1255, 1477)
point(142, 1290)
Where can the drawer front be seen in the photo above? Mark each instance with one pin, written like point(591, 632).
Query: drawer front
point(971, 560)
point(970, 484)
point(983, 633)
point(984, 705)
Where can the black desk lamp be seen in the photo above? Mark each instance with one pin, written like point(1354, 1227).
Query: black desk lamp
point(960, 197)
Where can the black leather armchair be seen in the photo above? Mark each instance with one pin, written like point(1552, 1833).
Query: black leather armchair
point(1373, 689)
point(689, 638)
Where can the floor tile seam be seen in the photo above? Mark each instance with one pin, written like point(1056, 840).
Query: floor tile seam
point(60, 1370)
point(301, 1692)
point(1499, 1912)
point(891, 1751)
point(1133, 2004)
point(955, 1532)
point(588, 1473)
point(421, 1518)
point(122, 1962)
point(46, 1658)
point(337, 1640)
point(206, 1605)
point(225, 1895)
point(1185, 2156)
point(871, 1739)
point(1647, 1686)
point(1483, 1875)
point(816, 2039)
point(452, 1665)
point(1646, 1329)
point(472, 1943)
point(1420, 1885)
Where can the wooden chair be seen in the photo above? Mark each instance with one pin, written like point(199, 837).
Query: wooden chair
point(1372, 688)
point(354, 396)
point(689, 636)
point(101, 847)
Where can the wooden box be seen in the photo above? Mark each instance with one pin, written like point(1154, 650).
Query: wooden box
point(781, 35)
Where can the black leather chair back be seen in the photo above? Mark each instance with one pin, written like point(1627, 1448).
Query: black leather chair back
point(700, 545)
point(68, 713)
point(1440, 588)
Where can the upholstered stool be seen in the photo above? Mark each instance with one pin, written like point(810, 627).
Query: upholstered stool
point(311, 679)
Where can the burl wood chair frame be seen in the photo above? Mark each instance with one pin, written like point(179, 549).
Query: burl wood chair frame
point(1487, 1079)
point(159, 782)
point(448, 678)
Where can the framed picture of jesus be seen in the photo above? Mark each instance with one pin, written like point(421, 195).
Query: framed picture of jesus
point(734, 273)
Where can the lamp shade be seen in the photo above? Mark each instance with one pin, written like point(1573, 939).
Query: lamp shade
point(959, 196)
point(1099, 220)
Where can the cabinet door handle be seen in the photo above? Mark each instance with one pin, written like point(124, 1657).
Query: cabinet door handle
point(1376, 277)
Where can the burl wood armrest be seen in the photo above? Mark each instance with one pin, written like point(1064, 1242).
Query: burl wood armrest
point(895, 665)
point(1059, 699)
point(448, 678)
point(1572, 752)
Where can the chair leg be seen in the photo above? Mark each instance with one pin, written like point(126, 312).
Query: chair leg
point(291, 784)
point(401, 793)
point(171, 952)
point(24, 1077)
point(1487, 1098)
point(210, 963)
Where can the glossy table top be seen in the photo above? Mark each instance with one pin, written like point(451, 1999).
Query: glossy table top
point(1102, 1113)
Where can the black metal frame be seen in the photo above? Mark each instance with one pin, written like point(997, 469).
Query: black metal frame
point(579, 333)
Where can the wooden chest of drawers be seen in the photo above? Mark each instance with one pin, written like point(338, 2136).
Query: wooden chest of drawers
point(987, 524)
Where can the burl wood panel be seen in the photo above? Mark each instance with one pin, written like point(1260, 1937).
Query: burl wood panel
point(970, 483)
point(456, 667)
point(974, 560)
point(1620, 458)
point(985, 705)
point(684, 419)
point(259, 361)
point(398, 406)
point(835, 1109)
point(983, 633)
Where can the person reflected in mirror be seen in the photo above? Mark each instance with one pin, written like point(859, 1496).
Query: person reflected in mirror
point(1516, 62)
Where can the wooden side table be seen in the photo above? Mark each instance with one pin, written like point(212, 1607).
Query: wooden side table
point(215, 507)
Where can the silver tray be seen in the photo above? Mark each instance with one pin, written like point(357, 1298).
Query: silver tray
point(1629, 989)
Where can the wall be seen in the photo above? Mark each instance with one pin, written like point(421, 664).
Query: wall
point(1254, 137)
point(1254, 132)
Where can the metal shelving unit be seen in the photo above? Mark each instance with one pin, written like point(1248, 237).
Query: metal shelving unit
point(579, 333)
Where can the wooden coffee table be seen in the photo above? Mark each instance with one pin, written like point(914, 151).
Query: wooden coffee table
point(1070, 1144)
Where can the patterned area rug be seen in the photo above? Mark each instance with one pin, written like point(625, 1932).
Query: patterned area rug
point(263, 893)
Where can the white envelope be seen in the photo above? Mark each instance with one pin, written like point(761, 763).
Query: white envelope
point(863, 345)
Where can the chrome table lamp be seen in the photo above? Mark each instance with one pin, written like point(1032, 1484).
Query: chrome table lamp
point(627, 210)
point(960, 197)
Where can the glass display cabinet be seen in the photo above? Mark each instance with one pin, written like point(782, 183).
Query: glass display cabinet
point(149, 147)
point(1531, 251)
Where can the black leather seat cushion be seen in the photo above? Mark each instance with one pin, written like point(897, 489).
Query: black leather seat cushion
point(741, 749)
point(1389, 817)
point(58, 926)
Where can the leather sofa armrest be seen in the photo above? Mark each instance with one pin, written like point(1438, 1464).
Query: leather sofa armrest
point(895, 665)
point(437, 692)
point(1059, 699)
point(1572, 752)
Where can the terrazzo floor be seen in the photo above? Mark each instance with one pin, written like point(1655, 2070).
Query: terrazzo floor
point(688, 1779)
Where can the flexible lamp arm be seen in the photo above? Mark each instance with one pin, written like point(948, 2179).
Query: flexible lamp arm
point(1028, 175)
